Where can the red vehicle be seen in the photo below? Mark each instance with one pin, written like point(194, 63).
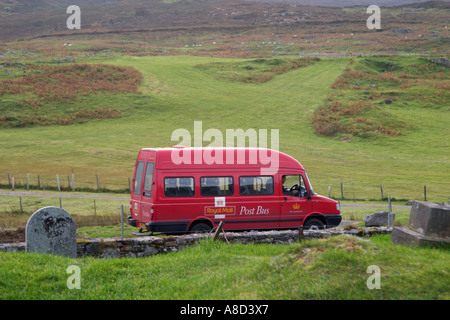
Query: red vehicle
point(196, 195)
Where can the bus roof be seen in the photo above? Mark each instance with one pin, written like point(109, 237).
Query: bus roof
point(221, 158)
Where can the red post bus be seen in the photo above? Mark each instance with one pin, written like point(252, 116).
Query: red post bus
point(196, 195)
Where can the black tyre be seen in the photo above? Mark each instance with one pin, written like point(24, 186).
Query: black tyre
point(313, 224)
point(200, 228)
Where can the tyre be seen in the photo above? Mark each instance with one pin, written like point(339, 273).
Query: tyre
point(200, 228)
point(314, 224)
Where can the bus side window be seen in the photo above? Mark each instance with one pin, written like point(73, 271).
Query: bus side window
point(179, 187)
point(256, 185)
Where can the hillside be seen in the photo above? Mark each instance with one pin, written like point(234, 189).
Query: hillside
point(238, 93)
point(344, 3)
point(133, 74)
point(244, 28)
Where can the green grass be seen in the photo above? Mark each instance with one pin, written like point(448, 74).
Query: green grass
point(176, 92)
point(315, 269)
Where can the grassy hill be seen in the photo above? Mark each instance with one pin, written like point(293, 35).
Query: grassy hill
point(177, 90)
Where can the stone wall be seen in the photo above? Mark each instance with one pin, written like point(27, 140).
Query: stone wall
point(151, 245)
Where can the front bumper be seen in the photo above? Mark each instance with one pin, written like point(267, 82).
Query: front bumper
point(333, 220)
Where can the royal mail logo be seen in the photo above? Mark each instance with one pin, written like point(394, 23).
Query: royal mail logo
point(219, 201)
point(296, 206)
point(219, 210)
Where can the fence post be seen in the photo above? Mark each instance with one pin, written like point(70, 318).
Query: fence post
point(21, 207)
point(9, 179)
point(425, 192)
point(39, 181)
point(28, 181)
point(57, 181)
point(12, 185)
point(121, 219)
point(329, 191)
point(382, 196)
point(60, 203)
point(73, 182)
point(342, 190)
point(98, 183)
point(389, 212)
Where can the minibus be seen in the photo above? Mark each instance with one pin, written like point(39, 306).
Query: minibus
point(191, 190)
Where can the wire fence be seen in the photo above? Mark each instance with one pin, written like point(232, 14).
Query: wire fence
point(86, 210)
point(65, 182)
point(358, 191)
point(344, 189)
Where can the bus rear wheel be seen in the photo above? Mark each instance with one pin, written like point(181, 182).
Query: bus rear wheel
point(201, 228)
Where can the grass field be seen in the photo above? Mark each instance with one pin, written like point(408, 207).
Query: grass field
point(178, 90)
point(335, 268)
point(84, 102)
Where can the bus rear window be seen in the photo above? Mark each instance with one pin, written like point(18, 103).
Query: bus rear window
point(149, 176)
point(138, 178)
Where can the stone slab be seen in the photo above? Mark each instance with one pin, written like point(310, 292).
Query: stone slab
point(407, 236)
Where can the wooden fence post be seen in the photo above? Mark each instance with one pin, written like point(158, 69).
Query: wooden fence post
point(342, 190)
point(382, 196)
point(39, 181)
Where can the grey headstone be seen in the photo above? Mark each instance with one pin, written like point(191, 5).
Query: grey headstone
point(51, 230)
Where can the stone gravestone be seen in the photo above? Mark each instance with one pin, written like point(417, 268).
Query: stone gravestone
point(51, 230)
point(429, 225)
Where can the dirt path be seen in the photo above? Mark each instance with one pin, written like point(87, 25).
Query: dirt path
point(64, 195)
